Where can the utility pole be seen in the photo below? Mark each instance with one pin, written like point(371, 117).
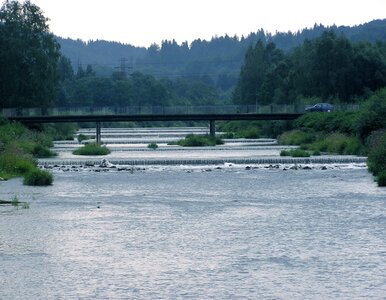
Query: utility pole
point(123, 68)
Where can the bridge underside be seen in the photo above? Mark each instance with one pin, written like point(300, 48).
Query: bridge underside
point(98, 119)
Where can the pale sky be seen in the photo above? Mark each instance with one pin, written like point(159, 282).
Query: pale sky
point(143, 22)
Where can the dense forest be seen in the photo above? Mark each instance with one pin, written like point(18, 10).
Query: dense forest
point(217, 61)
point(330, 67)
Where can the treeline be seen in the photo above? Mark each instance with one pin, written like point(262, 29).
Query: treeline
point(330, 67)
point(217, 61)
point(86, 89)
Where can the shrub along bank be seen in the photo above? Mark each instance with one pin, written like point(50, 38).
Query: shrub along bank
point(357, 133)
point(19, 149)
point(92, 149)
point(192, 140)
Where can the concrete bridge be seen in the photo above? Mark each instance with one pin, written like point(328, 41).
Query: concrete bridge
point(210, 114)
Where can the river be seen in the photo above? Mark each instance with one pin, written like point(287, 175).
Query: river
point(196, 232)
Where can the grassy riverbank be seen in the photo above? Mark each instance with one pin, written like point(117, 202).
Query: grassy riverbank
point(20, 148)
point(361, 132)
point(355, 133)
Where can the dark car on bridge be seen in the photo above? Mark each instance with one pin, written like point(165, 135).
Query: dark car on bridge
point(320, 107)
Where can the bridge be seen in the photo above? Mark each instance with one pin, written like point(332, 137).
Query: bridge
point(154, 113)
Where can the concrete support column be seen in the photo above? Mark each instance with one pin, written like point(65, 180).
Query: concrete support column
point(212, 128)
point(98, 133)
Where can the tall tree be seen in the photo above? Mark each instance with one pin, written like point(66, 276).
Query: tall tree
point(29, 55)
point(259, 60)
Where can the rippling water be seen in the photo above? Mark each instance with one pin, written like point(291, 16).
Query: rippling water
point(174, 234)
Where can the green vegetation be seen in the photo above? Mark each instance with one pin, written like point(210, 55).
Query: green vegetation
point(82, 137)
point(253, 129)
point(18, 152)
point(296, 137)
point(92, 149)
point(60, 131)
point(216, 61)
point(40, 151)
point(38, 177)
point(356, 133)
point(377, 156)
point(28, 74)
point(192, 140)
point(338, 143)
point(295, 153)
point(330, 67)
point(152, 146)
point(381, 178)
point(15, 202)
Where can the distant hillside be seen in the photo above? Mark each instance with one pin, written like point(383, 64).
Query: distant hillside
point(217, 61)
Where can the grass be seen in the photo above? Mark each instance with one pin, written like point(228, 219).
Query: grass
point(15, 202)
point(19, 148)
point(376, 161)
point(338, 143)
point(192, 140)
point(82, 137)
point(92, 149)
point(381, 178)
point(152, 146)
point(40, 151)
point(37, 177)
point(296, 137)
point(295, 153)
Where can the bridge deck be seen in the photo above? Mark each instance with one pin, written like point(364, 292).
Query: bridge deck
point(154, 117)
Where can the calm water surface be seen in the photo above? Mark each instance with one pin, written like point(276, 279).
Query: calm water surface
point(176, 234)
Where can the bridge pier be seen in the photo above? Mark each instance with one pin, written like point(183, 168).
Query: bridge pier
point(98, 133)
point(212, 128)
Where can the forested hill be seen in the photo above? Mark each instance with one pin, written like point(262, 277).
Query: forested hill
point(217, 61)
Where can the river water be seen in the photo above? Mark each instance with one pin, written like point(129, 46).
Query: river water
point(196, 232)
point(177, 233)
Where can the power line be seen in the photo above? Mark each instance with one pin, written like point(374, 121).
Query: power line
point(124, 67)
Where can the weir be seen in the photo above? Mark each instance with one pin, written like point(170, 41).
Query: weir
point(220, 161)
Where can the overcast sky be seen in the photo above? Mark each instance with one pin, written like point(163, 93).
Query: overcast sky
point(143, 22)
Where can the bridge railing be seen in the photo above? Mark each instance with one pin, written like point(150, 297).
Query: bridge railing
point(161, 110)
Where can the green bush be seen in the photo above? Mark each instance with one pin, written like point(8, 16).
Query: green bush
point(338, 143)
point(344, 122)
point(15, 163)
point(253, 129)
point(60, 131)
point(295, 153)
point(92, 149)
point(192, 140)
point(3, 120)
point(37, 177)
point(377, 156)
point(250, 133)
point(296, 137)
point(82, 137)
point(152, 146)
point(40, 151)
point(381, 178)
point(372, 114)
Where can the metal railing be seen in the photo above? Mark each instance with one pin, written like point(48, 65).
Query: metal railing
point(162, 110)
